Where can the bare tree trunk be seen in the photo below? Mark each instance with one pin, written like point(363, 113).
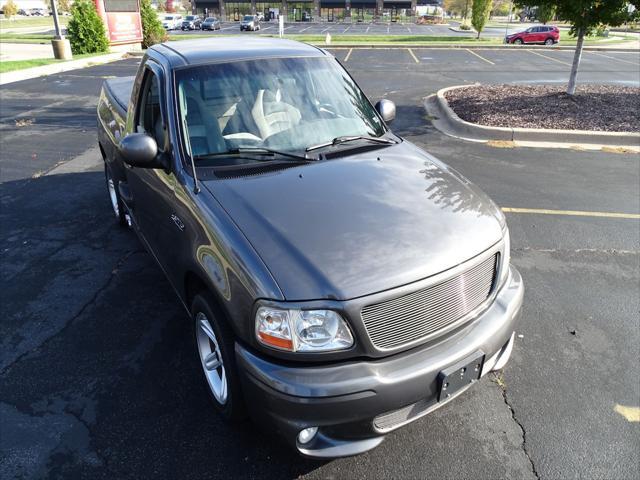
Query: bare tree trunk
point(571, 89)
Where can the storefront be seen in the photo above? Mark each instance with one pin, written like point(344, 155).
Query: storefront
point(396, 11)
point(300, 11)
point(236, 10)
point(269, 10)
point(363, 11)
point(333, 11)
point(208, 9)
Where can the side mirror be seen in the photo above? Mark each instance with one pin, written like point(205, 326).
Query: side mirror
point(139, 150)
point(387, 110)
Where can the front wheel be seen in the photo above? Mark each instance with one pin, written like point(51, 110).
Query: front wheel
point(548, 42)
point(518, 41)
point(216, 352)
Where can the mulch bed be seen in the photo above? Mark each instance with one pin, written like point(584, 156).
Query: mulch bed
point(605, 108)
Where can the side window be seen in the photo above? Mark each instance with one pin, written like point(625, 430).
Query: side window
point(149, 114)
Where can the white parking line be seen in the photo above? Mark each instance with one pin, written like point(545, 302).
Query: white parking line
point(409, 29)
point(348, 54)
point(479, 56)
point(328, 28)
point(228, 28)
point(547, 57)
point(346, 29)
point(413, 55)
point(614, 58)
point(267, 28)
point(367, 30)
point(388, 28)
point(304, 29)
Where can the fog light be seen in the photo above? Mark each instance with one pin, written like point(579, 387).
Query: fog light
point(306, 435)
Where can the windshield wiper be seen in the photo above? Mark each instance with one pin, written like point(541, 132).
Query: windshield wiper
point(256, 151)
point(339, 140)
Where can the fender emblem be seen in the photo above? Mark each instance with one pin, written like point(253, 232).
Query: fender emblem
point(177, 221)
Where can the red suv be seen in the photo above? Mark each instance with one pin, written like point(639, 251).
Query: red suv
point(542, 34)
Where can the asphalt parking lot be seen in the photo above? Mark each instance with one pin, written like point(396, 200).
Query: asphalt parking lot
point(98, 375)
point(387, 28)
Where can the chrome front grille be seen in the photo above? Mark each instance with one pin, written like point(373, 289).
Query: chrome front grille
point(411, 317)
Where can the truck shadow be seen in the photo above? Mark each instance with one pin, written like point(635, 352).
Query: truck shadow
point(99, 371)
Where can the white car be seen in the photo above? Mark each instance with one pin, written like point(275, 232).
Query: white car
point(172, 22)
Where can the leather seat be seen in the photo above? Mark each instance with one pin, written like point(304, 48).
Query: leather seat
point(272, 115)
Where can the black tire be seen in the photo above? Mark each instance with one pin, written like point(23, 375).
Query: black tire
point(233, 409)
point(549, 41)
point(518, 41)
point(117, 207)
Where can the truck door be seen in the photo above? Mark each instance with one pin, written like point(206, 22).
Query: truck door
point(155, 208)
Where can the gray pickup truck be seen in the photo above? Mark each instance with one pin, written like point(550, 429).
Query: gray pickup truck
point(340, 281)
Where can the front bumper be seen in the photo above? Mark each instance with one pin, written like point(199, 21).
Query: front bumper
point(356, 403)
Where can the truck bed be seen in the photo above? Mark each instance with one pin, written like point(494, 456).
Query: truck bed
point(119, 89)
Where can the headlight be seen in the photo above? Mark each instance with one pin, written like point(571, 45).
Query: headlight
point(302, 330)
point(506, 256)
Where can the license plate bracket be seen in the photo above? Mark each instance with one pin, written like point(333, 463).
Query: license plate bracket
point(453, 379)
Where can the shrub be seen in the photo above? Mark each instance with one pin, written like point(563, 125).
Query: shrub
point(86, 31)
point(10, 9)
point(64, 5)
point(480, 14)
point(464, 26)
point(152, 30)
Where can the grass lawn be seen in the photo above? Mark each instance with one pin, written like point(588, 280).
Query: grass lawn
point(12, 65)
point(565, 39)
point(24, 22)
point(25, 38)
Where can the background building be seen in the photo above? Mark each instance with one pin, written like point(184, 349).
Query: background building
point(314, 10)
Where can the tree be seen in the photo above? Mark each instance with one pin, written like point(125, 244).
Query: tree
point(501, 8)
point(545, 13)
point(10, 9)
point(86, 31)
point(480, 14)
point(456, 7)
point(585, 16)
point(64, 5)
point(152, 30)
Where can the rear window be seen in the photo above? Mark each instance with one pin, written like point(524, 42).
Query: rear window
point(190, 17)
point(248, 18)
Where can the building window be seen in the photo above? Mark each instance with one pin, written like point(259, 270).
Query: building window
point(271, 11)
point(299, 12)
point(236, 10)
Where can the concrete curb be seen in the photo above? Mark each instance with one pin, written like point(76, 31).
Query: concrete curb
point(446, 46)
point(446, 120)
point(27, 73)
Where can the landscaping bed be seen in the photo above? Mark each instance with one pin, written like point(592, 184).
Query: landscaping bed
point(605, 108)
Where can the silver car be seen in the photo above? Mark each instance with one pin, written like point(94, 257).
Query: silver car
point(250, 23)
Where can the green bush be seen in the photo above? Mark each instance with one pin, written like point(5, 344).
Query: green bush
point(464, 26)
point(152, 30)
point(86, 31)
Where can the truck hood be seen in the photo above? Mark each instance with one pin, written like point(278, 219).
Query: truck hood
point(361, 223)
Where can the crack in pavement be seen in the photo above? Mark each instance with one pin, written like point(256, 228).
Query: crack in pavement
point(523, 445)
point(91, 301)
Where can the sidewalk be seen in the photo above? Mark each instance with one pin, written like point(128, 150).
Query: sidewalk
point(25, 51)
point(59, 67)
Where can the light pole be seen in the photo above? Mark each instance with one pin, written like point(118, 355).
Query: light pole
point(61, 46)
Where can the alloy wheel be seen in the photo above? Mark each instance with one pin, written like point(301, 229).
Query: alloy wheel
point(211, 358)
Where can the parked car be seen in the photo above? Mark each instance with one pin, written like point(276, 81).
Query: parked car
point(24, 13)
point(172, 22)
point(250, 23)
point(340, 281)
point(191, 22)
point(211, 23)
point(543, 34)
point(306, 17)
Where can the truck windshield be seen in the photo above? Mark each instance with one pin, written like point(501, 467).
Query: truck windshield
point(285, 104)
